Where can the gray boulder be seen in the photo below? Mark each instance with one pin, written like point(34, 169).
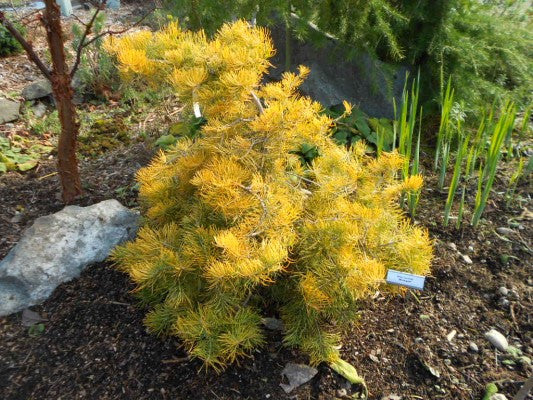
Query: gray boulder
point(9, 110)
point(66, 7)
point(56, 249)
point(37, 90)
point(113, 4)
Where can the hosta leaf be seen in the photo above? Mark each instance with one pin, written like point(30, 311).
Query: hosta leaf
point(27, 165)
point(166, 141)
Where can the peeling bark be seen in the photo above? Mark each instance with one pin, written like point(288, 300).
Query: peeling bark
point(63, 94)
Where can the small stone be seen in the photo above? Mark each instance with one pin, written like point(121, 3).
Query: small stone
point(433, 371)
point(113, 4)
point(37, 90)
point(452, 246)
point(9, 110)
point(497, 339)
point(297, 374)
point(471, 248)
point(273, 324)
point(342, 393)
point(39, 110)
point(498, 396)
point(504, 231)
point(391, 397)
point(447, 361)
point(473, 347)
point(466, 259)
point(16, 218)
point(503, 302)
point(503, 291)
point(451, 335)
point(419, 340)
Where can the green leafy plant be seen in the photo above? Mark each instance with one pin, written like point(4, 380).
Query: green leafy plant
point(493, 156)
point(36, 330)
point(462, 148)
point(20, 156)
point(514, 179)
point(47, 125)
point(97, 73)
point(356, 126)
point(8, 44)
point(404, 131)
point(187, 129)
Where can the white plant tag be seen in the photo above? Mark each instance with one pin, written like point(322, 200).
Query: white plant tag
point(196, 109)
point(411, 281)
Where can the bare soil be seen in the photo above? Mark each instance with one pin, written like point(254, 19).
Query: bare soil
point(95, 345)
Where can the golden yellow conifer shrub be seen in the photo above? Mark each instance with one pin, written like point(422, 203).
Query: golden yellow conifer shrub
point(240, 218)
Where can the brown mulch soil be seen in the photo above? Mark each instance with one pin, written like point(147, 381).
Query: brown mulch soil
point(94, 345)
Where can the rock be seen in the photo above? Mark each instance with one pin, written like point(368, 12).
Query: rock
point(497, 339)
point(471, 248)
point(503, 302)
point(503, 291)
point(66, 7)
point(473, 347)
point(37, 90)
point(466, 259)
point(30, 318)
point(57, 247)
point(504, 231)
point(113, 4)
point(39, 110)
point(452, 246)
point(342, 393)
point(273, 324)
point(498, 396)
point(391, 397)
point(297, 374)
point(451, 335)
point(9, 110)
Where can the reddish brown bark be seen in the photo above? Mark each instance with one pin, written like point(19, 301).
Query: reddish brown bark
point(63, 95)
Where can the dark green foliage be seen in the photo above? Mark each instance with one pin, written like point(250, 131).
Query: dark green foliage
point(367, 25)
point(8, 44)
point(306, 153)
point(486, 47)
point(358, 126)
point(190, 129)
point(489, 55)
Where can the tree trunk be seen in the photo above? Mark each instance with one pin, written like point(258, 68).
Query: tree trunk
point(63, 95)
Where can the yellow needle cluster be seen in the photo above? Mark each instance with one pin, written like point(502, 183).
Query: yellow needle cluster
point(236, 220)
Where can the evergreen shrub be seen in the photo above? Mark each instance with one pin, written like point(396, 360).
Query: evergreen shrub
point(8, 44)
point(237, 221)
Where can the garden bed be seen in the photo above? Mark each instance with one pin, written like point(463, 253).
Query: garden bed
point(94, 344)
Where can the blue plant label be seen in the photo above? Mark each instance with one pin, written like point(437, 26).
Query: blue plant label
point(411, 281)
